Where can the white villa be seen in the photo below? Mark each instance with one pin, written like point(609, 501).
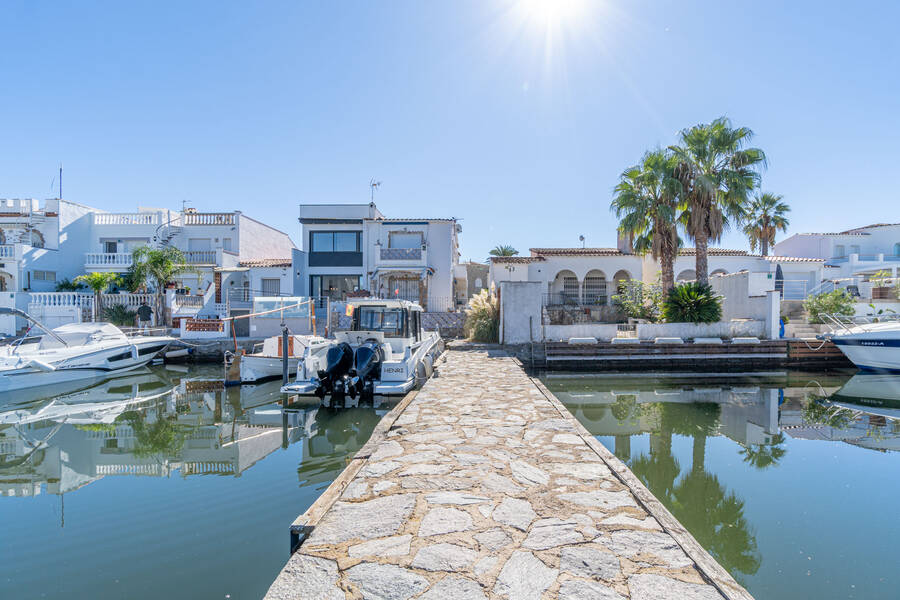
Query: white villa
point(353, 247)
point(852, 253)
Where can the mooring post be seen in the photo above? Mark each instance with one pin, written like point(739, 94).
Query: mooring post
point(284, 355)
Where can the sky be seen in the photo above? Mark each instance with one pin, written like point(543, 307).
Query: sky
point(514, 116)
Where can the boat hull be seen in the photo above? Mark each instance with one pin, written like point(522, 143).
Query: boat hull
point(263, 368)
point(871, 351)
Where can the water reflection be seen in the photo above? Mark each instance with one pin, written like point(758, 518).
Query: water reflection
point(763, 417)
point(159, 422)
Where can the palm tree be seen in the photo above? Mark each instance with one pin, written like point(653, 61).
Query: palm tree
point(159, 267)
point(99, 283)
point(645, 203)
point(763, 456)
point(503, 250)
point(765, 216)
point(717, 173)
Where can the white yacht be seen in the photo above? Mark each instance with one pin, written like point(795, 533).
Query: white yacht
point(870, 346)
point(73, 352)
point(385, 352)
point(266, 362)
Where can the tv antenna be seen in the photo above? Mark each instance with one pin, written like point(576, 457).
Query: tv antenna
point(581, 239)
point(373, 185)
point(52, 181)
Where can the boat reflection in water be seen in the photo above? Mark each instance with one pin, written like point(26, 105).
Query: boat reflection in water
point(740, 461)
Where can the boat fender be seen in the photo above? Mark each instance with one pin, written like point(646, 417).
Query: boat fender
point(420, 373)
point(428, 362)
point(134, 352)
point(178, 353)
point(41, 365)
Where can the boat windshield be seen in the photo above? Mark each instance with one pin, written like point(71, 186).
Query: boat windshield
point(390, 321)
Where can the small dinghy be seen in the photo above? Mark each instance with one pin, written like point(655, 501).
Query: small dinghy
point(267, 360)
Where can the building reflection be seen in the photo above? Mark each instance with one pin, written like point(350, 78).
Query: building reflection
point(157, 423)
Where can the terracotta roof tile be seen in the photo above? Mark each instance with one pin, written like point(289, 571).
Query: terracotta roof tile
point(267, 262)
point(575, 252)
point(515, 259)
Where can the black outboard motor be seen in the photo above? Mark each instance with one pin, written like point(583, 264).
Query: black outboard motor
point(333, 378)
point(367, 368)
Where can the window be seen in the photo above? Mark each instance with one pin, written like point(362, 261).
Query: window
point(334, 241)
point(406, 240)
point(478, 284)
point(271, 287)
point(840, 251)
point(44, 276)
point(854, 249)
point(570, 288)
point(595, 289)
point(226, 244)
point(377, 318)
point(110, 247)
point(897, 249)
point(334, 287)
point(199, 244)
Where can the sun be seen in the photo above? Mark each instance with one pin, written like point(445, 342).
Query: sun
point(552, 12)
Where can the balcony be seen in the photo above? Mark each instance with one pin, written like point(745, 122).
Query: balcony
point(209, 218)
point(201, 257)
point(10, 251)
point(127, 218)
point(402, 257)
point(107, 261)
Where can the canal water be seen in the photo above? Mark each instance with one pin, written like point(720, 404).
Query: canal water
point(791, 481)
point(162, 484)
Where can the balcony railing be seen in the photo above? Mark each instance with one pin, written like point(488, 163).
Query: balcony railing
point(7, 251)
point(401, 254)
point(107, 259)
point(200, 257)
point(209, 218)
point(126, 219)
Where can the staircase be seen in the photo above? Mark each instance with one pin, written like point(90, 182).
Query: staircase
point(168, 233)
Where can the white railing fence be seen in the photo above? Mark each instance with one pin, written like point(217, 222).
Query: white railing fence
point(795, 289)
point(62, 299)
point(200, 257)
point(107, 259)
point(7, 251)
point(126, 219)
point(209, 218)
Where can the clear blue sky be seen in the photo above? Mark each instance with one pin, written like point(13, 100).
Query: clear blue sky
point(485, 110)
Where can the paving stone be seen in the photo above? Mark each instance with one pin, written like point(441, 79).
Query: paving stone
point(493, 539)
point(455, 498)
point(363, 520)
point(453, 587)
point(574, 589)
point(386, 450)
point(515, 513)
point(379, 469)
point(623, 519)
point(602, 499)
point(657, 587)
point(494, 482)
point(443, 557)
point(567, 438)
point(385, 582)
point(316, 578)
point(484, 565)
point(584, 561)
point(356, 489)
point(578, 470)
point(465, 458)
point(426, 469)
point(632, 543)
point(382, 486)
point(524, 577)
point(528, 474)
point(553, 532)
point(397, 545)
point(444, 520)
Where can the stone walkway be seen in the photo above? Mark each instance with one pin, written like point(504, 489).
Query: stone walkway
point(483, 489)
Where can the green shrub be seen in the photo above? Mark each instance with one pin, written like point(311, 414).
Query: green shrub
point(639, 300)
point(692, 302)
point(483, 318)
point(837, 302)
point(118, 314)
point(66, 285)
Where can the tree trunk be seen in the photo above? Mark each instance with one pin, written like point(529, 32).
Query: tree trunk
point(698, 462)
point(764, 246)
point(701, 243)
point(667, 262)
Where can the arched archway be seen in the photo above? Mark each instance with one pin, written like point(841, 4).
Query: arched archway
point(621, 277)
point(686, 275)
point(36, 238)
point(595, 291)
point(564, 288)
point(2, 237)
point(6, 281)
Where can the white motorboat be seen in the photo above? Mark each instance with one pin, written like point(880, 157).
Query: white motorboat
point(266, 361)
point(386, 352)
point(870, 346)
point(78, 351)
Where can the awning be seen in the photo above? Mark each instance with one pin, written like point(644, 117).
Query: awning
point(422, 273)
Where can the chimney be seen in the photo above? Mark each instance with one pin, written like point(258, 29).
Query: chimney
point(624, 242)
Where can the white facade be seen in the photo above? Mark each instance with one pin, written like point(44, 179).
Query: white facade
point(852, 253)
point(352, 247)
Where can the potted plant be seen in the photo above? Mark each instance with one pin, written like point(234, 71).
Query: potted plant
point(880, 288)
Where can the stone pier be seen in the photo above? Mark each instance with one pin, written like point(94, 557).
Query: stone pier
point(482, 485)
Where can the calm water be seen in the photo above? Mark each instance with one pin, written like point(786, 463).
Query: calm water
point(791, 481)
point(161, 484)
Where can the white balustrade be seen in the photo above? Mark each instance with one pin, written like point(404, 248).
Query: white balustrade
point(209, 218)
point(126, 219)
point(129, 300)
point(107, 259)
point(62, 299)
point(200, 257)
point(7, 251)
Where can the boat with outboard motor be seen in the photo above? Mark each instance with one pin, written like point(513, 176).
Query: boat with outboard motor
point(267, 362)
point(385, 352)
point(871, 346)
point(73, 352)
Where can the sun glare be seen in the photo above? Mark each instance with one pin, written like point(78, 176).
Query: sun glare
point(553, 12)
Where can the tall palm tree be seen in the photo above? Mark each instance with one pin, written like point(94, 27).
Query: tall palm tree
point(646, 202)
point(716, 172)
point(158, 267)
point(765, 216)
point(503, 250)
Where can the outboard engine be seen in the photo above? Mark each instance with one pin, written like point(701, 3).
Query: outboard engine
point(367, 368)
point(333, 378)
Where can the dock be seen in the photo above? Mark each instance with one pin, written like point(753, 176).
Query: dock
point(482, 485)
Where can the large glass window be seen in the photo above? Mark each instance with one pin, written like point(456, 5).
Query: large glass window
point(378, 318)
point(405, 240)
point(334, 287)
point(334, 241)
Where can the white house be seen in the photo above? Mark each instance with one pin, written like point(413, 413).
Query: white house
point(353, 247)
point(852, 253)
